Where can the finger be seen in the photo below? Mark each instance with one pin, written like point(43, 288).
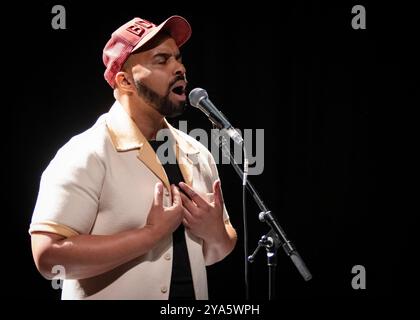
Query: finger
point(185, 223)
point(185, 199)
point(158, 196)
point(176, 197)
point(218, 196)
point(188, 204)
point(199, 201)
point(189, 217)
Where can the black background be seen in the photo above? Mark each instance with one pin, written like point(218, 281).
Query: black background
point(326, 95)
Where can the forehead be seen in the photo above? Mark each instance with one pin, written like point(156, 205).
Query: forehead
point(160, 44)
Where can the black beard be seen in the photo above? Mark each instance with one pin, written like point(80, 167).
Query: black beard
point(161, 103)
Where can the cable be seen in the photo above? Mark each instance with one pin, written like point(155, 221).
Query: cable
point(223, 144)
point(245, 224)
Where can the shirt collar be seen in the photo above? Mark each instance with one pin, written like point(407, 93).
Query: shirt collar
point(126, 136)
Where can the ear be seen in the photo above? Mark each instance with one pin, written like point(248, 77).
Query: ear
point(123, 81)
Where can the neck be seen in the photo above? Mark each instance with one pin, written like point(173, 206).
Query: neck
point(147, 119)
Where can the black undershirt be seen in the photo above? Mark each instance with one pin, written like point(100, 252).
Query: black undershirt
point(181, 280)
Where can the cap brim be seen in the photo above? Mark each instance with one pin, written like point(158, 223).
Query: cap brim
point(177, 27)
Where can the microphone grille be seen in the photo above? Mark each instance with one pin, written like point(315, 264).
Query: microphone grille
point(196, 95)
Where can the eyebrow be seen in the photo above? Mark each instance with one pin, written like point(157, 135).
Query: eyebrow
point(178, 56)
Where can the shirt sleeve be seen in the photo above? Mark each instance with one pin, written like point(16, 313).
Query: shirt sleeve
point(69, 192)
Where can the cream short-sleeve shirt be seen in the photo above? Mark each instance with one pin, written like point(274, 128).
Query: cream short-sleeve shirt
point(102, 182)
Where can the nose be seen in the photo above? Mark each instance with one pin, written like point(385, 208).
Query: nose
point(179, 68)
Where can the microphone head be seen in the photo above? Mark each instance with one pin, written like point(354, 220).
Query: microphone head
point(196, 95)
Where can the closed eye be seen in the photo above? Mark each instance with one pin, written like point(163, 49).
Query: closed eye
point(162, 58)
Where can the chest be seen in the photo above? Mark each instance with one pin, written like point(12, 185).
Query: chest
point(128, 191)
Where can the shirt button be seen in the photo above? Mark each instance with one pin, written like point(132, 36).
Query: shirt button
point(168, 256)
point(166, 192)
point(164, 289)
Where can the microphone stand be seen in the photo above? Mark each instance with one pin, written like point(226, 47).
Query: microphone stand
point(275, 238)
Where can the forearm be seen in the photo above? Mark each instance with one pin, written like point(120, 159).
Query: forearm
point(85, 256)
point(216, 249)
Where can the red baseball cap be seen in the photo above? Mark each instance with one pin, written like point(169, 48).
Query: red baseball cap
point(135, 33)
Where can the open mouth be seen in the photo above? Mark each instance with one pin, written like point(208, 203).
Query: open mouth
point(179, 90)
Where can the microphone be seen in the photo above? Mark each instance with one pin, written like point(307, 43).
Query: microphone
point(200, 99)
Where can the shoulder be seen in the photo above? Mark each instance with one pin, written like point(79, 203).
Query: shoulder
point(91, 140)
point(85, 148)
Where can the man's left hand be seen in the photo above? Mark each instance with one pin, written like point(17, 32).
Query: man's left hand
point(203, 218)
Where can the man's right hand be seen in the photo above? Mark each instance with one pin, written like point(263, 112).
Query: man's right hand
point(165, 220)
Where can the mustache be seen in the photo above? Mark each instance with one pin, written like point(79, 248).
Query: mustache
point(177, 78)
